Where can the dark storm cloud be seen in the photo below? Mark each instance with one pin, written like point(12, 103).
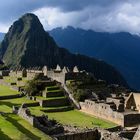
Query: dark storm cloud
point(100, 15)
point(10, 9)
point(74, 5)
point(14, 8)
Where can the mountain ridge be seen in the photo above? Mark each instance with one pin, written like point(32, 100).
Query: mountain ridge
point(27, 44)
point(121, 49)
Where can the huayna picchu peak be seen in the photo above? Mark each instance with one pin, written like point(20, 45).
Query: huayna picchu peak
point(27, 44)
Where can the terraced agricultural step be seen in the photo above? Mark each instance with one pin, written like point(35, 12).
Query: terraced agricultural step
point(50, 88)
point(57, 93)
point(50, 83)
point(58, 109)
point(55, 102)
point(11, 96)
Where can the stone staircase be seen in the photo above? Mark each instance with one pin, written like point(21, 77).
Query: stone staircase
point(55, 99)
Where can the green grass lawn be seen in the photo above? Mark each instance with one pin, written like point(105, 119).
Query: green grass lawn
point(12, 127)
point(74, 117)
point(6, 105)
point(51, 87)
point(6, 90)
point(50, 98)
point(80, 119)
point(58, 90)
point(16, 101)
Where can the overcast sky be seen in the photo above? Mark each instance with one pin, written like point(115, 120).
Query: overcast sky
point(99, 15)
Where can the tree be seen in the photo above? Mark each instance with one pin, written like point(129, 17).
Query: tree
point(31, 87)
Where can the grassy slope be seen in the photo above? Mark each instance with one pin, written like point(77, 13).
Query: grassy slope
point(75, 117)
point(80, 119)
point(5, 90)
point(14, 127)
point(16, 101)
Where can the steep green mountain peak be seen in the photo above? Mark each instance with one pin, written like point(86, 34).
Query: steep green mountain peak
point(27, 44)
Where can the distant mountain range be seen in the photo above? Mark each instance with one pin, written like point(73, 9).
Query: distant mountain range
point(122, 50)
point(27, 44)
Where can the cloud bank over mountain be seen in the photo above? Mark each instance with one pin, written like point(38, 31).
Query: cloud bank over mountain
point(99, 15)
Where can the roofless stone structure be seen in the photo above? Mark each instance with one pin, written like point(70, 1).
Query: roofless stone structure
point(58, 68)
point(45, 70)
point(75, 69)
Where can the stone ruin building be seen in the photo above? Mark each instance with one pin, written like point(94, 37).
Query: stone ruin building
point(59, 74)
point(120, 110)
point(66, 132)
point(123, 111)
point(50, 127)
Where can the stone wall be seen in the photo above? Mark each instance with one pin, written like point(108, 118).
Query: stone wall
point(87, 135)
point(30, 75)
point(127, 134)
point(119, 102)
point(4, 72)
point(25, 113)
point(54, 94)
point(131, 119)
point(54, 102)
point(50, 127)
point(106, 135)
point(61, 77)
point(58, 76)
point(103, 110)
point(137, 135)
point(94, 134)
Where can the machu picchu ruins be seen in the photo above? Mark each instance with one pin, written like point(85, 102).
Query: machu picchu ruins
point(69, 83)
point(55, 96)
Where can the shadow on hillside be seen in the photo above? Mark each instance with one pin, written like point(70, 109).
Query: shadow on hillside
point(4, 136)
point(22, 129)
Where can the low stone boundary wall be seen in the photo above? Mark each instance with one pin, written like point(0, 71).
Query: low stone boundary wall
point(41, 125)
point(88, 135)
point(49, 127)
